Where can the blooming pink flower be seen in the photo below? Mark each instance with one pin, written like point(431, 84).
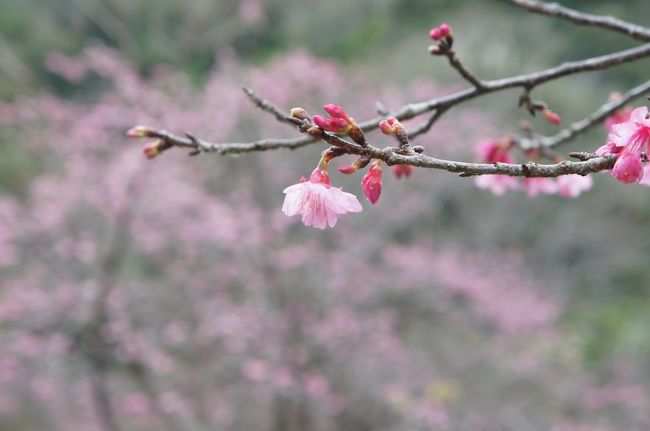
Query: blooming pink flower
point(371, 182)
point(535, 186)
point(402, 170)
point(571, 186)
point(319, 203)
point(493, 152)
point(627, 140)
point(620, 116)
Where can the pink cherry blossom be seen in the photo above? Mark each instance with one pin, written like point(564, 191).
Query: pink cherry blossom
point(629, 140)
point(402, 171)
point(535, 186)
point(319, 203)
point(620, 116)
point(571, 186)
point(371, 183)
point(492, 152)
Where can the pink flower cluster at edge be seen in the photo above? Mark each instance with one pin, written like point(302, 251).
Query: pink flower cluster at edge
point(566, 186)
point(627, 140)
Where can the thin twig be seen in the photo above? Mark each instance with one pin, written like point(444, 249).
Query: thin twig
point(608, 22)
point(455, 62)
point(415, 109)
point(589, 121)
point(424, 128)
point(266, 105)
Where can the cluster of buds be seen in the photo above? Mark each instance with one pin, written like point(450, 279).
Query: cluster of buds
point(392, 127)
point(153, 148)
point(402, 171)
point(441, 34)
point(629, 141)
point(340, 123)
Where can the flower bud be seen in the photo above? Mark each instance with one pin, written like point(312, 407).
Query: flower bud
point(141, 132)
point(299, 113)
point(153, 149)
point(552, 117)
point(392, 126)
point(435, 34)
point(334, 125)
point(387, 126)
point(336, 111)
point(347, 169)
point(443, 30)
point(402, 170)
point(371, 182)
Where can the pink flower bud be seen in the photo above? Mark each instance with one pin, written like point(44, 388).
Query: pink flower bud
point(435, 34)
point(320, 176)
point(445, 29)
point(140, 132)
point(334, 125)
point(347, 169)
point(389, 125)
point(402, 171)
point(552, 117)
point(628, 167)
point(321, 122)
point(371, 182)
point(153, 149)
point(336, 111)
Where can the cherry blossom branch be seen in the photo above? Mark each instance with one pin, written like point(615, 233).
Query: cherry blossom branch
point(529, 169)
point(445, 39)
point(528, 81)
point(586, 123)
point(608, 22)
point(466, 169)
point(464, 71)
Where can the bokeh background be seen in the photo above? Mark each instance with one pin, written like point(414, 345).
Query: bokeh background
point(174, 295)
